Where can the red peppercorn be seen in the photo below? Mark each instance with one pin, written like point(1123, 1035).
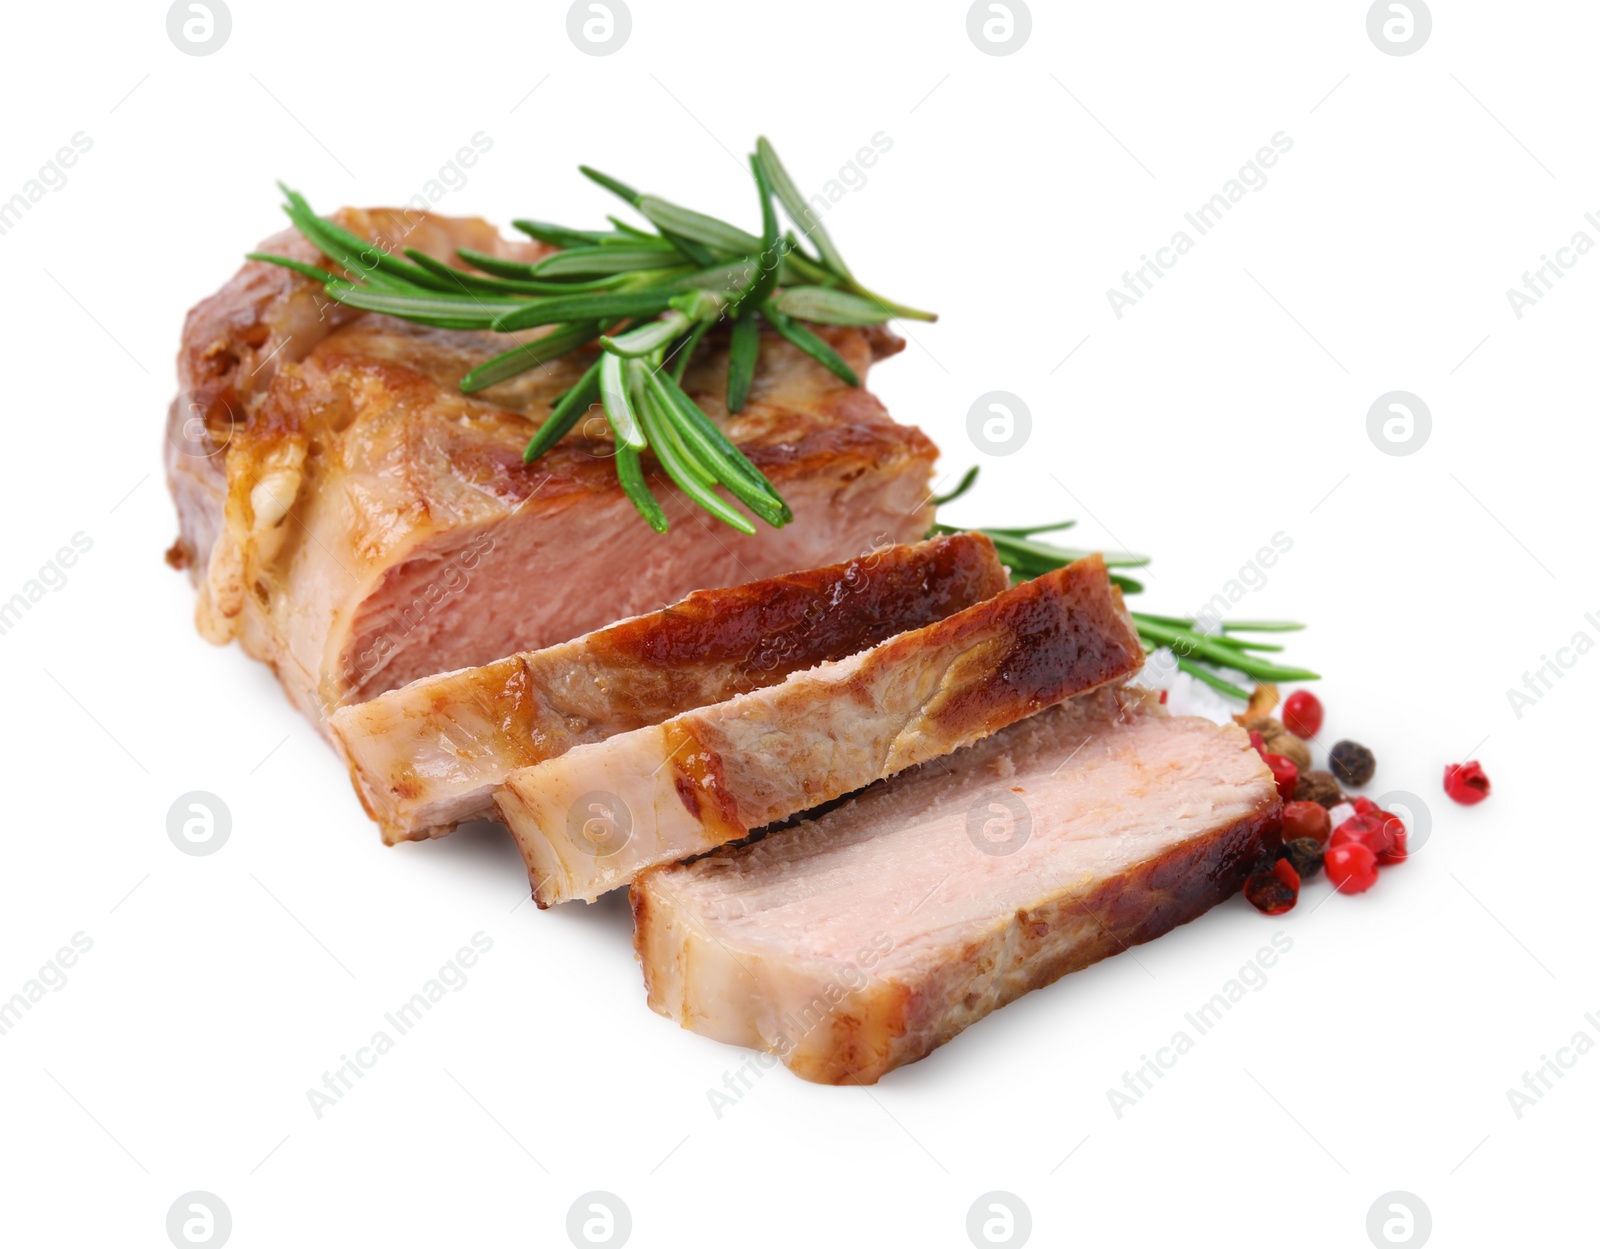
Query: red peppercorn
point(1396, 853)
point(1467, 783)
point(1163, 698)
point(1352, 868)
point(1285, 773)
point(1302, 714)
point(1372, 831)
point(1306, 819)
point(1274, 890)
point(1259, 742)
point(1363, 806)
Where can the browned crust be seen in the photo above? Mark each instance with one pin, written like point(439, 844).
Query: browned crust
point(1051, 653)
point(220, 370)
point(701, 782)
point(770, 628)
point(831, 426)
point(1145, 903)
point(1032, 646)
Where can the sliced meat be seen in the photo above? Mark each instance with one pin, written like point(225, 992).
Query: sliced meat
point(431, 754)
point(355, 521)
point(867, 938)
point(594, 818)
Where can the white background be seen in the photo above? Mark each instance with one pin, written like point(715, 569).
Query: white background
point(1229, 405)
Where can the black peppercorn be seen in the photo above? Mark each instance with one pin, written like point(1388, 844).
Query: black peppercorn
point(1304, 855)
point(1318, 787)
point(1352, 763)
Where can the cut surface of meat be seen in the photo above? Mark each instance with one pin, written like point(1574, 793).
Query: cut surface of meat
point(862, 940)
point(430, 754)
point(354, 520)
point(592, 819)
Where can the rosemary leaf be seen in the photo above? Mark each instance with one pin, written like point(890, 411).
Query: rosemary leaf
point(770, 258)
point(1185, 644)
point(618, 403)
point(299, 266)
point(631, 475)
point(1054, 555)
point(1201, 673)
point(618, 188)
point(799, 211)
point(1261, 626)
point(691, 414)
point(687, 223)
point(742, 350)
point(565, 415)
point(1028, 531)
point(428, 309)
point(558, 236)
point(632, 231)
point(608, 305)
point(829, 307)
point(809, 343)
point(603, 261)
point(648, 337)
point(681, 467)
point(357, 254)
point(685, 351)
point(529, 355)
point(968, 478)
point(701, 435)
point(688, 246)
point(521, 271)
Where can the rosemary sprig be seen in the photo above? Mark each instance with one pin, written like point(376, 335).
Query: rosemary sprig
point(645, 297)
point(1204, 655)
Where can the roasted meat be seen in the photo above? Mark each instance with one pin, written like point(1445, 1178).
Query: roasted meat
point(431, 754)
point(355, 521)
point(867, 938)
point(592, 819)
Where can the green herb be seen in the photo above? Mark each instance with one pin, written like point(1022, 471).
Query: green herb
point(645, 297)
point(1204, 655)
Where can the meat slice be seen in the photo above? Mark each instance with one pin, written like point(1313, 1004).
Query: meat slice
point(868, 937)
point(431, 754)
point(594, 818)
point(355, 521)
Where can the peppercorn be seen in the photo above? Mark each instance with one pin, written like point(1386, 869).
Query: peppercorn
point(1279, 741)
point(1274, 890)
point(1467, 783)
point(1284, 773)
point(1304, 855)
point(1352, 763)
point(1320, 788)
point(1306, 819)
